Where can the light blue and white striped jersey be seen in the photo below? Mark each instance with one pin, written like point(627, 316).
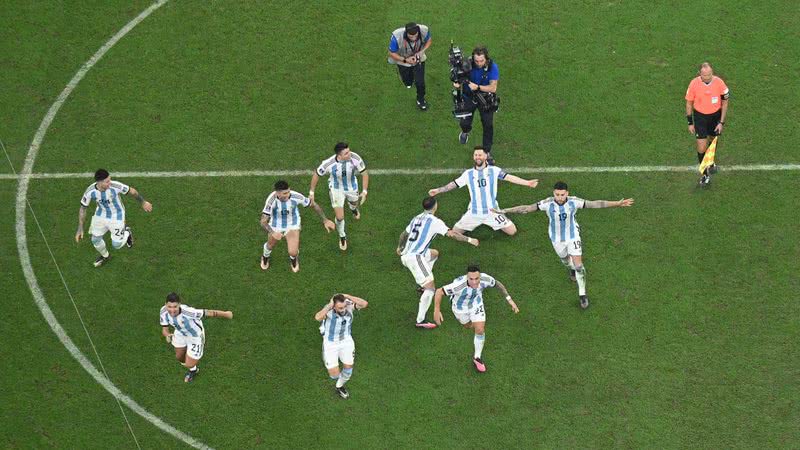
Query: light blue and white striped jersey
point(188, 321)
point(342, 173)
point(109, 203)
point(563, 226)
point(482, 184)
point(463, 297)
point(336, 328)
point(421, 231)
point(285, 214)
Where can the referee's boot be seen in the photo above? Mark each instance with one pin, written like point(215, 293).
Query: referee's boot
point(422, 105)
point(705, 180)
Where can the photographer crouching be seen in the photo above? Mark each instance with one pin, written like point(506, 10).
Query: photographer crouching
point(475, 80)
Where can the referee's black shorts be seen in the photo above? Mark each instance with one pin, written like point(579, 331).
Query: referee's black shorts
point(704, 124)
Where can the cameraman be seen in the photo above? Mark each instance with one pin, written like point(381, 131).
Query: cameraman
point(407, 49)
point(480, 94)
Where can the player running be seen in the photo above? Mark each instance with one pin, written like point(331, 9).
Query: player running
point(466, 297)
point(109, 216)
point(565, 231)
point(281, 218)
point(337, 338)
point(189, 338)
point(419, 259)
point(482, 181)
point(343, 185)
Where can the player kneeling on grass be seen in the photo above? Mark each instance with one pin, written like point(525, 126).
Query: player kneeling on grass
point(281, 217)
point(189, 338)
point(109, 217)
point(565, 231)
point(343, 185)
point(466, 297)
point(337, 340)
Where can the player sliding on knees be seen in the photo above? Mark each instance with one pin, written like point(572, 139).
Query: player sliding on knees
point(189, 338)
point(482, 181)
point(466, 298)
point(419, 259)
point(281, 218)
point(109, 216)
point(337, 340)
point(565, 231)
point(343, 185)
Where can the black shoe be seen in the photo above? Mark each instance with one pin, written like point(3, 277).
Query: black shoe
point(463, 137)
point(572, 275)
point(704, 180)
point(712, 170)
point(584, 301)
point(190, 375)
point(343, 243)
point(129, 242)
point(264, 262)
point(294, 264)
point(342, 391)
point(420, 290)
point(356, 213)
point(422, 105)
point(101, 260)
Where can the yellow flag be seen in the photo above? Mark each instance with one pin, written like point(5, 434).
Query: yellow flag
point(708, 159)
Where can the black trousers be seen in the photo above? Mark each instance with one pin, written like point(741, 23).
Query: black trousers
point(414, 75)
point(487, 120)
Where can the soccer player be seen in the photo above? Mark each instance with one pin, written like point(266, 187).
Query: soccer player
point(343, 185)
point(482, 182)
point(706, 108)
point(189, 338)
point(466, 297)
point(565, 231)
point(281, 218)
point(337, 338)
point(419, 259)
point(109, 216)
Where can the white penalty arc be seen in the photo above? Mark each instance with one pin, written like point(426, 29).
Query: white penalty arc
point(22, 240)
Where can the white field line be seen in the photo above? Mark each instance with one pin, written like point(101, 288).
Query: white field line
point(22, 240)
point(404, 172)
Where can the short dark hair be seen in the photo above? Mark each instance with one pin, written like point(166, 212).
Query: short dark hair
point(101, 175)
point(429, 203)
point(338, 298)
point(412, 28)
point(339, 147)
point(481, 50)
point(560, 186)
point(173, 297)
point(480, 147)
point(281, 185)
point(473, 268)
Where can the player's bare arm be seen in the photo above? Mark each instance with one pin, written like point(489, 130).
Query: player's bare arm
point(314, 181)
point(437, 306)
point(608, 204)
point(218, 313)
point(167, 335)
point(521, 181)
point(402, 242)
point(359, 302)
point(510, 301)
point(365, 186)
point(146, 206)
point(441, 190)
point(453, 234)
point(81, 220)
point(327, 223)
point(522, 209)
point(320, 315)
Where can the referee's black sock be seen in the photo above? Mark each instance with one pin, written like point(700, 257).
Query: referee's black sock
point(700, 157)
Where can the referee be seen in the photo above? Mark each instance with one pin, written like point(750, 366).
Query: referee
point(706, 109)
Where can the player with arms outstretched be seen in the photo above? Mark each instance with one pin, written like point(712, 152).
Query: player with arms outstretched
point(337, 339)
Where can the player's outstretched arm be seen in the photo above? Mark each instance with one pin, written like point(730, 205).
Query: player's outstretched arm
point(327, 223)
point(359, 302)
point(453, 234)
point(609, 204)
point(521, 181)
point(218, 313)
point(510, 300)
point(441, 190)
point(364, 186)
point(320, 315)
point(522, 209)
point(402, 243)
point(146, 206)
point(437, 307)
point(81, 219)
point(314, 181)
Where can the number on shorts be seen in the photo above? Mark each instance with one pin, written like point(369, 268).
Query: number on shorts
point(500, 218)
point(480, 309)
point(118, 232)
point(577, 244)
point(415, 232)
point(196, 348)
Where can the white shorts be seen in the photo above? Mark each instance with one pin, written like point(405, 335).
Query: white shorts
point(338, 197)
point(100, 226)
point(469, 221)
point(333, 352)
point(419, 265)
point(571, 248)
point(476, 314)
point(283, 231)
point(194, 345)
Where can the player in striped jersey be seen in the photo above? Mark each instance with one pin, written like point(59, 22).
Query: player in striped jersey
point(565, 231)
point(281, 217)
point(466, 297)
point(419, 259)
point(337, 337)
point(343, 185)
point(482, 181)
point(189, 338)
point(109, 216)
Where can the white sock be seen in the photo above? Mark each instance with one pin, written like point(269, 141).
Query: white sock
point(424, 303)
point(100, 244)
point(267, 250)
point(580, 277)
point(344, 377)
point(340, 227)
point(478, 341)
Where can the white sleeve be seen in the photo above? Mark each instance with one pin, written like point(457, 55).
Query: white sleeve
point(322, 170)
point(488, 280)
point(448, 289)
point(268, 205)
point(543, 204)
point(359, 164)
point(194, 313)
point(122, 187)
point(163, 320)
point(579, 202)
point(86, 199)
point(305, 201)
point(439, 227)
point(462, 180)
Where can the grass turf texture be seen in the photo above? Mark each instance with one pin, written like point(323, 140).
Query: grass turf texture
point(687, 341)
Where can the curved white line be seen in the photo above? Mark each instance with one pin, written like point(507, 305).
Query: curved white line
point(22, 239)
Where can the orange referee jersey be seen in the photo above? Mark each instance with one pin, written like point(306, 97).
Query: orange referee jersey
point(707, 98)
